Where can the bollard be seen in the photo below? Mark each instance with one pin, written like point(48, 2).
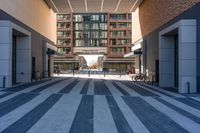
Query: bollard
point(73, 73)
point(4, 82)
point(188, 85)
point(88, 73)
point(104, 74)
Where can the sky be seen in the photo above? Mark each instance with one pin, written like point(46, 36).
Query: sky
point(91, 59)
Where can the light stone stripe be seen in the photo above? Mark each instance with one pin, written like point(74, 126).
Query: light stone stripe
point(162, 90)
point(77, 88)
point(25, 90)
point(182, 106)
point(196, 98)
point(156, 92)
point(1, 92)
point(113, 89)
point(57, 87)
point(127, 89)
point(39, 85)
point(19, 112)
point(136, 125)
point(183, 121)
point(60, 117)
point(91, 88)
point(103, 120)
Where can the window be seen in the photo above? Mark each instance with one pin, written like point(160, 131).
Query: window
point(95, 34)
point(103, 26)
point(95, 26)
point(94, 43)
point(78, 34)
point(118, 50)
point(78, 43)
point(95, 17)
point(62, 50)
point(103, 43)
point(103, 34)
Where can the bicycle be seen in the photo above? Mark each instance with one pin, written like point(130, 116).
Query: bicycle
point(142, 77)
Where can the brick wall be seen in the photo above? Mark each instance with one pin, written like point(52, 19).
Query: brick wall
point(155, 13)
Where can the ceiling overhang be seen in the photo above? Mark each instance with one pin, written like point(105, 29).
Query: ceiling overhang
point(86, 6)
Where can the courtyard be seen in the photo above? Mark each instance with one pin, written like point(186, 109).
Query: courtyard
point(96, 104)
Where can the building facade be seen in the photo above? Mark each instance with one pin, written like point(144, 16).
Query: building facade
point(106, 34)
point(26, 41)
point(169, 43)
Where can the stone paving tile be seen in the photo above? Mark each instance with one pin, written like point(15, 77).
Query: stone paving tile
point(96, 104)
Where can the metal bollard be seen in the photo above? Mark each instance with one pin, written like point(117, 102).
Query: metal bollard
point(104, 74)
point(188, 85)
point(88, 73)
point(4, 82)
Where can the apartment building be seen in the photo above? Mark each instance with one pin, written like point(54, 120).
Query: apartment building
point(106, 34)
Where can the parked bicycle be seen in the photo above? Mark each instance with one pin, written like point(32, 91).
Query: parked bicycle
point(142, 77)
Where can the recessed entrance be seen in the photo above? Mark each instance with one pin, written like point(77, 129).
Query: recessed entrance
point(177, 56)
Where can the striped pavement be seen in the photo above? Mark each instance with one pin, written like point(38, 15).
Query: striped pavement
point(96, 104)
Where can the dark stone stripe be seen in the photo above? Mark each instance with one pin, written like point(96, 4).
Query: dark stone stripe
point(69, 87)
point(154, 120)
point(46, 86)
point(28, 120)
point(15, 102)
point(85, 87)
point(22, 87)
point(181, 111)
point(139, 90)
point(101, 89)
point(5, 95)
point(119, 119)
point(190, 102)
point(151, 88)
point(120, 89)
point(83, 121)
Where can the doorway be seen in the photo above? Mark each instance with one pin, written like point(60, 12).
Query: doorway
point(14, 59)
point(33, 67)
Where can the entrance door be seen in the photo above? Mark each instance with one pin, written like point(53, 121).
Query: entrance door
point(49, 66)
point(176, 61)
point(157, 71)
point(14, 60)
point(33, 67)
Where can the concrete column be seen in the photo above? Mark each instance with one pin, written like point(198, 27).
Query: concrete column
point(187, 57)
point(5, 54)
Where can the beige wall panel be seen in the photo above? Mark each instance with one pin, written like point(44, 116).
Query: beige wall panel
point(33, 13)
point(136, 28)
point(155, 13)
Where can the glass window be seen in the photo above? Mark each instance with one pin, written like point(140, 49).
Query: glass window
point(78, 34)
point(86, 26)
point(77, 18)
point(94, 43)
point(86, 34)
point(86, 18)
point(95, 17)
point(95, 34)
point(95, 26)
point(62, 50)
point(103, 43)
point(78, 43)
point(118, 50)
point(103, 26)
point(103, 34)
